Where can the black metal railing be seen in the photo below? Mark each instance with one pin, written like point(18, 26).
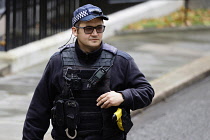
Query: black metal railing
point(30, 20)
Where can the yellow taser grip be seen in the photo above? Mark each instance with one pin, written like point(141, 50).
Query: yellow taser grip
point(118, 113)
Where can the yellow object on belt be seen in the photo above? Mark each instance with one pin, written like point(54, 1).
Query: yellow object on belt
point(118, 114)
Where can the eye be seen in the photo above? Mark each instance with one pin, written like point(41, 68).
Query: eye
point(100, 28)
point(88, 29)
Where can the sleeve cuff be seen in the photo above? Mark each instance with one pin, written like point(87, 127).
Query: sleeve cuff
point(125, 96)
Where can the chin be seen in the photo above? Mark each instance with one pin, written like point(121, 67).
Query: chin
point(95, 43)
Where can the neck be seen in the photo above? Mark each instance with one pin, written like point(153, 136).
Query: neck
point(87, 58)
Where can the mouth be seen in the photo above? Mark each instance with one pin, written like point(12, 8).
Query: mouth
point(94, 39)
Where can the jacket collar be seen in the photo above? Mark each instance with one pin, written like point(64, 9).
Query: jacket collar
point(87, 58)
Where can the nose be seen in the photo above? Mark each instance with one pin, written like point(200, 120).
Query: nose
point(94, 32)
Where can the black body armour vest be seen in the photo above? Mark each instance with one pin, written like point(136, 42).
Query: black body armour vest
point(86, 88)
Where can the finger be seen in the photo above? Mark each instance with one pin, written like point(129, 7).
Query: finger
point(106, 104)
point(101, 101)
point(101, 97)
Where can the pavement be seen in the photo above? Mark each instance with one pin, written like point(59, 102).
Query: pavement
point(170, 61)
point(182, 116)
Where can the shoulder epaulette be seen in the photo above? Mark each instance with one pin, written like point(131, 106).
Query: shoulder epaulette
point(110, 48)
point(124, 54)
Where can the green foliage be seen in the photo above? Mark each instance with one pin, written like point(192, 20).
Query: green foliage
point(194, 17)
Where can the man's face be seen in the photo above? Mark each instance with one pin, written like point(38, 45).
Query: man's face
point(88, 42)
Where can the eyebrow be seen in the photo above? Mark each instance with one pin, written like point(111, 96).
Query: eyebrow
point(93, 26)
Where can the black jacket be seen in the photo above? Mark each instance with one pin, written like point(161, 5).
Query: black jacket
point(125, 78)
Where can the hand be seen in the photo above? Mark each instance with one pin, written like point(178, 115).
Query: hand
point(109, 99)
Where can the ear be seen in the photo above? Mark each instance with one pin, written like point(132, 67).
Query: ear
point(74, 31)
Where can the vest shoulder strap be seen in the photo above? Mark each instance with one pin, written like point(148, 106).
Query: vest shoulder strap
point(106, 59)
point(69, 56)
point(110, 48)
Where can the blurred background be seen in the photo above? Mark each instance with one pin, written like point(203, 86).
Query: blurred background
point(26, 21)
point(168, 39)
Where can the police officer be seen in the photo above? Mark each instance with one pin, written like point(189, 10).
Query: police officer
point(84, 84)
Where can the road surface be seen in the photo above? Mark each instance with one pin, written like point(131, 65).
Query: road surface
point(183, 116)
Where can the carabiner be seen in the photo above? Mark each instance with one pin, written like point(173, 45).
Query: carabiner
point(69, 136)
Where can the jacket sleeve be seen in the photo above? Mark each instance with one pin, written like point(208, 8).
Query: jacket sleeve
point(138, 92)
point(38, 116)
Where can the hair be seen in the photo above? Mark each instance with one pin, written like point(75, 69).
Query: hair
point(77, 24)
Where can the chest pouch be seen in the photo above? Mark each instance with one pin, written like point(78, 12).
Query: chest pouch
point(72, 79)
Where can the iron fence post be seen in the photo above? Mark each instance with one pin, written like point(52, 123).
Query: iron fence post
point(7, 47)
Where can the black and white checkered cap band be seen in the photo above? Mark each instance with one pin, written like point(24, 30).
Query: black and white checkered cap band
point(79, 16)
